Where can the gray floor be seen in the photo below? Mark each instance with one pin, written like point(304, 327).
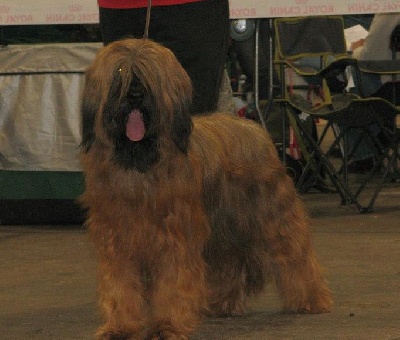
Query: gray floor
point(47, 281)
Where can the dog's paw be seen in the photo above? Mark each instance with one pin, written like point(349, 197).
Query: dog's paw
point(166, 335)
point(112, 335)
point(318, 307)
point(314, 307)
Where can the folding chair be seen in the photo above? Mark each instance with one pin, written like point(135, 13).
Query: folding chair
point(322, 38)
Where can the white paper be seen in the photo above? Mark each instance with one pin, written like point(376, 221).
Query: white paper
point(353, 34)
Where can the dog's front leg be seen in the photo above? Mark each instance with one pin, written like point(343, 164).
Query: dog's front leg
point(122, 301)
point(179, 292)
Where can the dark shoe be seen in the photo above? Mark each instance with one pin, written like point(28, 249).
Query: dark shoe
point(361, 167)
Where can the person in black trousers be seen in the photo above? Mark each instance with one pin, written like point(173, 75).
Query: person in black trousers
point(196, 31)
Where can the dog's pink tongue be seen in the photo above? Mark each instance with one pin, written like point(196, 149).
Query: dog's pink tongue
point(135, 126)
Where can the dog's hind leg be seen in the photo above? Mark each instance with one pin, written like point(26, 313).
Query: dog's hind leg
point(291, 259)
point(300, 284)
point(227, 281)
point(233, 253)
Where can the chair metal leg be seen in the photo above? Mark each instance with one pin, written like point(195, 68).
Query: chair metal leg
point(257, 75)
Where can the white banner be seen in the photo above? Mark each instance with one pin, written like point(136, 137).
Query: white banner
point(38, 12)
point(291, 8)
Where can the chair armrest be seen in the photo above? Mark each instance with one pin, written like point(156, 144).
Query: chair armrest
point(302, 70)
point(337, 66)
point(379, 66)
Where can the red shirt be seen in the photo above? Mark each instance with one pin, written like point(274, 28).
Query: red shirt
point(140, 3)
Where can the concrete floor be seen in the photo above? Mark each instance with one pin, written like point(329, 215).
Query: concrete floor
point(48, 280)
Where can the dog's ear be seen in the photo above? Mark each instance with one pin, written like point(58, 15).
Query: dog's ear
point(88, 134)
point(88, 119)
point(181, 128)
point(90, 106)
point(181, 92)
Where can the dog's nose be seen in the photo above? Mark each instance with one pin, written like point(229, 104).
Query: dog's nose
point(136, 97)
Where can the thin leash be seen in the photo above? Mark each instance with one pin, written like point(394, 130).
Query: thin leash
point(146, 28)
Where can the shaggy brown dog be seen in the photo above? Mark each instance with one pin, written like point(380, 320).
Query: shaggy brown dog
point(190, 216)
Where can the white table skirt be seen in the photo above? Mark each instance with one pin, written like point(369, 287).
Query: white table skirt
point(40, 98)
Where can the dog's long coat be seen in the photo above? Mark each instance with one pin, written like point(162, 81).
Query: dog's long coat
point(190, 216)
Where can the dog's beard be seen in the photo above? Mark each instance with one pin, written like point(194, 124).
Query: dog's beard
point(132, 130)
